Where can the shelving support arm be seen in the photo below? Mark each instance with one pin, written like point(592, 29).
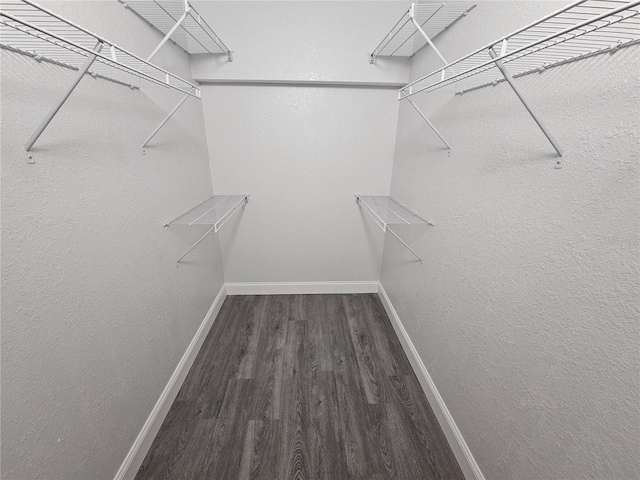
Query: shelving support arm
point(171, 32)
point(435, 49)
point(196, 244)
point(52, 113)
point(424, 117)
point(166, 119)
point(511, 82)
point(426, 37)
point(405, 244)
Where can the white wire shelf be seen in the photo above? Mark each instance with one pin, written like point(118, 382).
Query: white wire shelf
point(28, 28)
point(214, 211)
point(581, 29)
point(404, 39)
point(179, 20)
point(386, 211)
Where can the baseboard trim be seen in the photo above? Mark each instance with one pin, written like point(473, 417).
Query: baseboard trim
point(460, 448)
point(289, 288)
point(144, 440)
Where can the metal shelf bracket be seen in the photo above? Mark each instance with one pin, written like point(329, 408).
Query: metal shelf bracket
point(54, 110)
point(514, 87)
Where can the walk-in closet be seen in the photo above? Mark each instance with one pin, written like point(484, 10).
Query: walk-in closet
point(291, 239)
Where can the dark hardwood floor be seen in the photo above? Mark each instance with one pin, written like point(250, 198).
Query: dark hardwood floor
point(297, 387)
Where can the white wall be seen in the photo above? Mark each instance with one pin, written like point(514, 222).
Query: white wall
point(526, 309)
point(293, 41)
point(301, 151)
point(95, 315)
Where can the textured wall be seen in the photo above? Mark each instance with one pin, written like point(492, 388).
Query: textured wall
point(321, 41)
point(526, 309)
point(95, 315)
point(302, 152)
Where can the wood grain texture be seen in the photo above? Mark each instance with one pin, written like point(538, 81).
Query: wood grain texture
point(301, 387)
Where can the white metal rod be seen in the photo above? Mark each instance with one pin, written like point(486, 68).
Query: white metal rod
point(426, 37)
point(83, 69)
point(166, 119)
point(167, 36)
point(195, 245)
point(405, 244)
point(430, 124)
point(515, 88)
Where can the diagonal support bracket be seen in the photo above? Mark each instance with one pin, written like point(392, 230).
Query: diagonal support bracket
point(424, 117)
point(412, 15)
point(511, 82)
point(54, 110)
point(166, 119)
point(187, 7)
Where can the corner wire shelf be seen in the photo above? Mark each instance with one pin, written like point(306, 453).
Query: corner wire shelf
point(180, 22)
point(387, 211)
point(580, 30)
point(28, 28)
point(215, 211)
point(420, 24)
point(417, 28)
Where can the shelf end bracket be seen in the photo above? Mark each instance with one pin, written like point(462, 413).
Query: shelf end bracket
point(405, 244)
point(424, 117)
point(54, 110)
point(511, 82)
point(166, 119)
point(187, 7)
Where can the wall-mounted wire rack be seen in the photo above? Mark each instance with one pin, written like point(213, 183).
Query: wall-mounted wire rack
point(214, 211)
point(180, 22)
point(44, 35)
point(386, 211)
point(418, 26)
point(581, 29)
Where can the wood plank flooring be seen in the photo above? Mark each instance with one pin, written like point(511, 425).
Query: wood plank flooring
point(301, 387)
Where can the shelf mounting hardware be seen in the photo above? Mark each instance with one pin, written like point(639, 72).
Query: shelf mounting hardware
point(514, 87)
point(171, 31)
point(52, 113)
point(387, 211)
point(169, 115)
point(412, 16)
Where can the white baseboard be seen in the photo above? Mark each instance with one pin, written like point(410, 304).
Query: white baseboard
point(145, 438)
point(460, 449)
point(300, 288)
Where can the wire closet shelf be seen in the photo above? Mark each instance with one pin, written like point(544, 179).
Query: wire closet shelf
point(214, 211)
point(405, 38)
point(179, 20)
point(581, 29)
point(28, 28)
point(386, 211)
